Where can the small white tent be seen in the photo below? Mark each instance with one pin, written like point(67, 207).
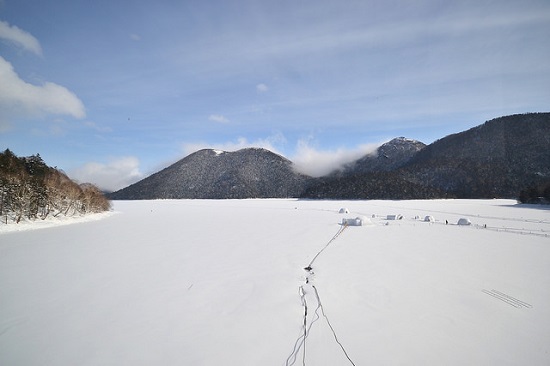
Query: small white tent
point(358, 221)
point(429, 218)
point(463, 222)
point(343, 210)
point(394, 217)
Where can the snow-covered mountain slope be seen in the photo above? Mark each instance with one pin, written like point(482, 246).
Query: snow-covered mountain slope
point(205, 282)
point(389, 156)
point(215, 174)
point(499, 158)
point(496, 159)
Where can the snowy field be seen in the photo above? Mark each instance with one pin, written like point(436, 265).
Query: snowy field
point(197, 282)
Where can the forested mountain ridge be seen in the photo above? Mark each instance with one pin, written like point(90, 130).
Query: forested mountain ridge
point(374, 176)
point(29, 189)
point(389, 156)
point(495, 159)
point(212, 174)
point(499, 158)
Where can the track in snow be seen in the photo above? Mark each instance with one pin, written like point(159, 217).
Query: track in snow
point(507, 299)
point(300, 342)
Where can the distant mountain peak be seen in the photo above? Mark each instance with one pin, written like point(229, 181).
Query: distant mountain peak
point(402, 139)
point(389, 156)
point(218, 174)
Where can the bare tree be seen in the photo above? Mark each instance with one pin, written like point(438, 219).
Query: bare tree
point(31, 189)
point(93, 199)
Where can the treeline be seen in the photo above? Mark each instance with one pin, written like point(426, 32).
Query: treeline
point(536, 194)
point(375, 185)
point(29, 189)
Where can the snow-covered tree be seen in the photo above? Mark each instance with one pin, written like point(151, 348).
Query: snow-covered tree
point(30, 189)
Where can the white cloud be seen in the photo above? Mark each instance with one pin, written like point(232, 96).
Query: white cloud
point(20, 99)
point(116, 174)
point(316, 163)
point(19, 37)
point(218, 118)
point(262, 88)
point(307, 158)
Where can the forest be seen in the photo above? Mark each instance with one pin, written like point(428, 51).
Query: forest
point(536, 193)
point(31, 190)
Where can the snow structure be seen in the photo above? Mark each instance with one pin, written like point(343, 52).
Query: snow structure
point(464, 221)
point(429, 219)
point(394, 217)
point(343, 210)
point(358, 221)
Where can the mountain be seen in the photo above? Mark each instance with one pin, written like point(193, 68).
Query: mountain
point(389, 156)
point(496, 159)
point(499, 158)
point(373, 176)
point(215, 174)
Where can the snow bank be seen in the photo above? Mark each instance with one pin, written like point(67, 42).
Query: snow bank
point(50, 221)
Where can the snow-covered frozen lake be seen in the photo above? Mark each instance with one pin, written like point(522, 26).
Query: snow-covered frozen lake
point(199, 282)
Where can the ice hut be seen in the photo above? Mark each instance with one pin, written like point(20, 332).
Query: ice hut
point(464, 221)
point(394, 217)
point(343, 210)
point(358, 221)
point(429, 219)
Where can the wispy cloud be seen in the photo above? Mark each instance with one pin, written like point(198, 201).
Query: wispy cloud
point(331, 36)
point(262, 88)
point(318, 162)
point(113, 175)
point(19, 98)
point(307, 158)
point(19, 37)
point(218, 118)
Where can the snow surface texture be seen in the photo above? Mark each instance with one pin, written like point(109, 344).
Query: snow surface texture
point(195, 282)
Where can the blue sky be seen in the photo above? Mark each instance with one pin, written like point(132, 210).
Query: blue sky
point(112, 91)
